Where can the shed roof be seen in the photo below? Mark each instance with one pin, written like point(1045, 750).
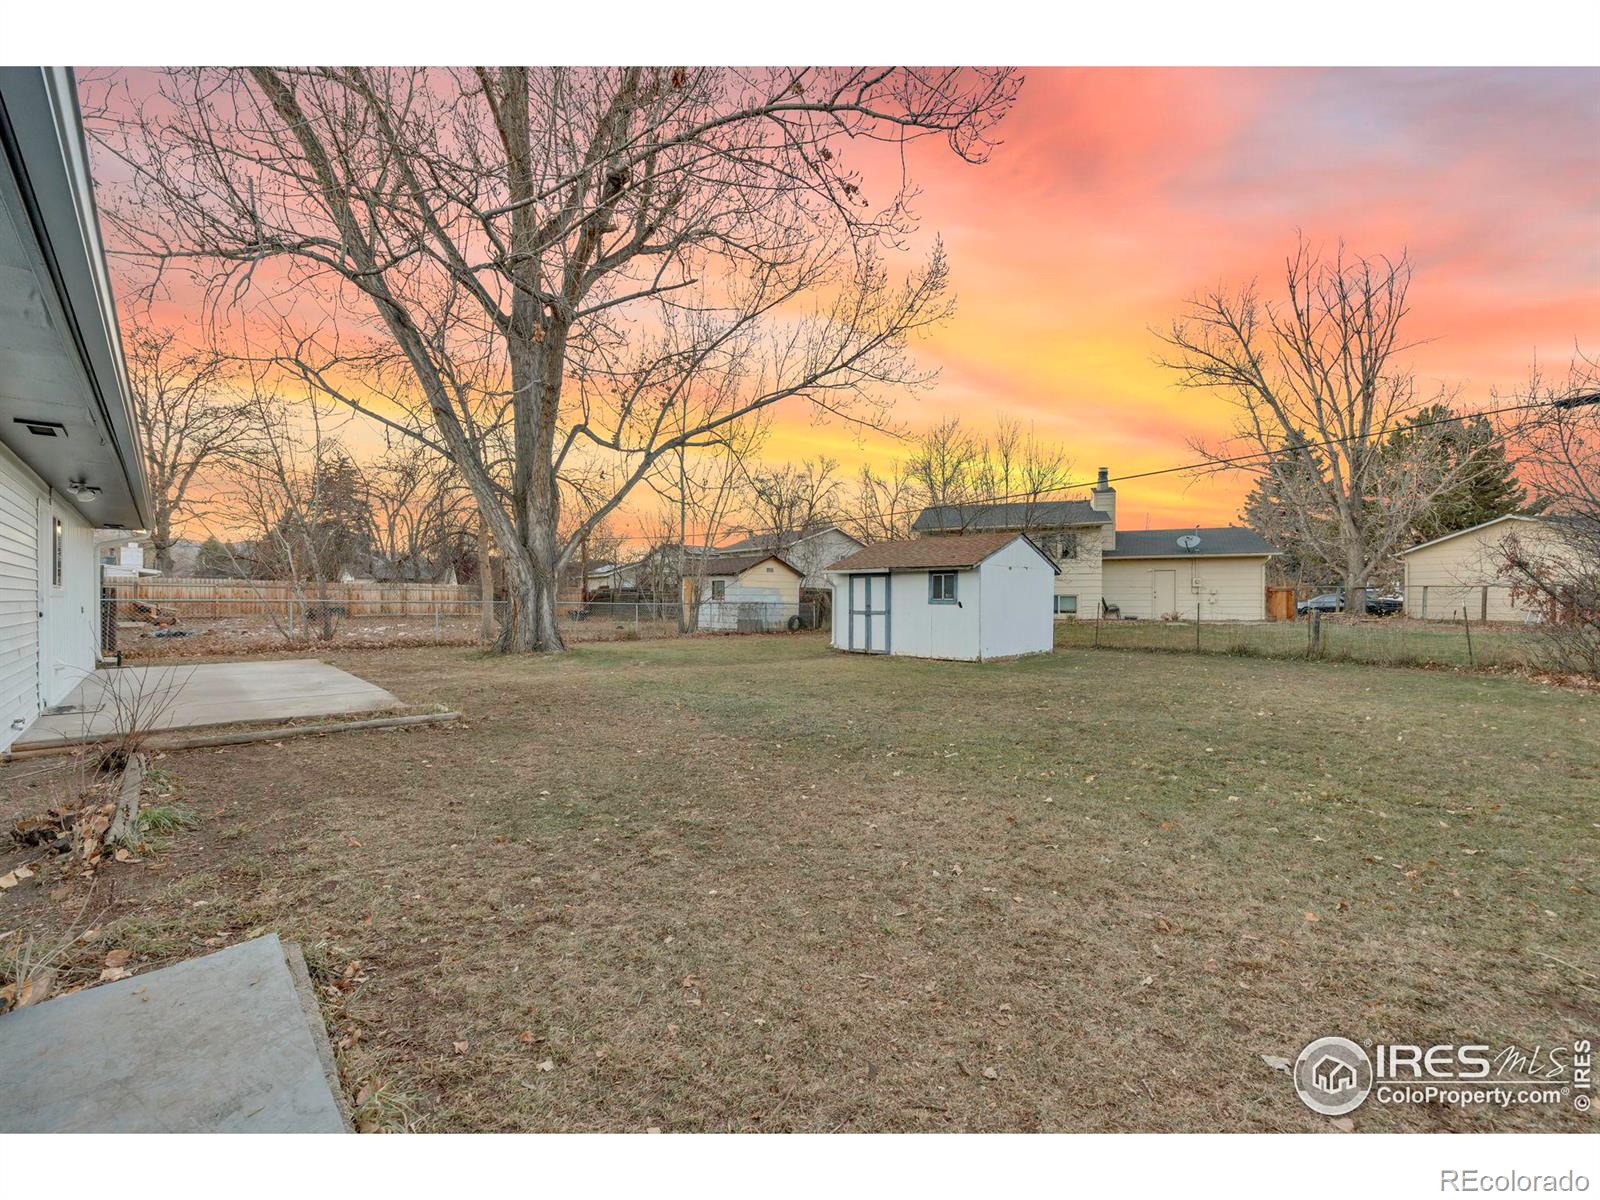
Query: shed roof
point(1038, 514)
point(958, 551)
point(738, 564)
point(1222, 541)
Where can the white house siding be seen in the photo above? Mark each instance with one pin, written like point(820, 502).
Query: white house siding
point(1015, 595)
point(1081, 576)
point(1229, 589)
point(20, 501)
point(1463, 572)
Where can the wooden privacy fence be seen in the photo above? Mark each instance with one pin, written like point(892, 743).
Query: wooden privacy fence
point(195, 599)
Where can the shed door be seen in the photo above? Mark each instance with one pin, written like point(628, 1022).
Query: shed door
point(19, 605)
point(869, 614)
point(1163, 593)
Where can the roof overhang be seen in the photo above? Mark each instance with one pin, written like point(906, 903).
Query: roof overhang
point(1469, 529)
point(1180, 556)
point(61, 364)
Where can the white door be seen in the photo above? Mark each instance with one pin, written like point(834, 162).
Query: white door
point(869, 614)
point(19, 604)
point(1163, 593)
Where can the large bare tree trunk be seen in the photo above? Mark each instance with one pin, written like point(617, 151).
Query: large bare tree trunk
point(679, 248)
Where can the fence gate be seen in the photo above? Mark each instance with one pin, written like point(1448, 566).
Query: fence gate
point(869, 614)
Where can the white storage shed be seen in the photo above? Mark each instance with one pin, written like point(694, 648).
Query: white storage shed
point(973, 596)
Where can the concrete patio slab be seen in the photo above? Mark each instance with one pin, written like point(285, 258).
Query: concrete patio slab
point(207, 694)
point(220, 1044)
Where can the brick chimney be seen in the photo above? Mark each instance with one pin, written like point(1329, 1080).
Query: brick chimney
point(1104, 499)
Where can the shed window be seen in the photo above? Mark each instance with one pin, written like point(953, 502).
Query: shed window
point(56, 537)
point(941, 587)
point(1066, 604)
point(719, 589)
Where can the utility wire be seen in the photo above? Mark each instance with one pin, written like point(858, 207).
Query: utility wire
point(1570, 402)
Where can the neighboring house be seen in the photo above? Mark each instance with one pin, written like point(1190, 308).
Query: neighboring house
point(1462, 571)
point(1149, 573)
point(612, 577)
point(811, 552)
point(972, 596)
point(69, 448)
point(748, 593)
point(121, 557)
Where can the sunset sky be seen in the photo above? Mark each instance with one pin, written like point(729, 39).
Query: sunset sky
point(1119, 192)
point(1116, 193)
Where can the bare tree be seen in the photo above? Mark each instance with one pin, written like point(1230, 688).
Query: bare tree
point(611, 263)
point(187, 422)
point(881, 507)
point(297, 498)
point(963, 477)
point(422, 514)
point(1318, 389)
point(782, 503)
point(1555, 572)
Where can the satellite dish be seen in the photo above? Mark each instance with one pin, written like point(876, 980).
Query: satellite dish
point(1189, 541)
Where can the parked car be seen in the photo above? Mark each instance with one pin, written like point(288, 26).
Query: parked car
point(1377, 605)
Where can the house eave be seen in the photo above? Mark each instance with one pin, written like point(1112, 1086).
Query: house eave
point(1469, 529)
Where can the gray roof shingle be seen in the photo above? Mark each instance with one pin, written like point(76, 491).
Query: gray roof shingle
point(1217, 541)
point(1038, 514)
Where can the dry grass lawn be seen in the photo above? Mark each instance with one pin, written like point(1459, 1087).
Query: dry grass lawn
point(750, 884)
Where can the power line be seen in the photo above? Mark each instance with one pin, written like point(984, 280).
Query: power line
point(1569, 402)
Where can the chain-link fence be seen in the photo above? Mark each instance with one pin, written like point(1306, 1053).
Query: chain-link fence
point(138, 625)
point(1460, 640)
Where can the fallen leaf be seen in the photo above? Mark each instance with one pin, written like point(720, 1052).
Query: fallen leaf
point(990, 1073)
point(547, 1065)
point(112, 974)
point(461, 1047)
point(1344, 1124)
point(1311, 916)
point(1277, 1064)
point(118, 958)
point(37, 988)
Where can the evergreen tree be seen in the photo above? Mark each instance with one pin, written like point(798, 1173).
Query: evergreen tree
point(1488, 487)
point(213, 560)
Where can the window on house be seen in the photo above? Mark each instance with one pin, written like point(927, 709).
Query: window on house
point(56, 535)
point(1066, 605)
point(941, 587)
point(719, 589)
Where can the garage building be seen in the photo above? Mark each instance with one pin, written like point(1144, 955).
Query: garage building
point(1461, 572)
point(1156, 573)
